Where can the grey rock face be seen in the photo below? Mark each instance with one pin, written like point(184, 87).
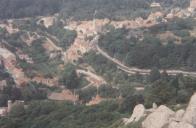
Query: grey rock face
point(190, 114)
point(138, 113)
point(180, 125)
point(159, 118)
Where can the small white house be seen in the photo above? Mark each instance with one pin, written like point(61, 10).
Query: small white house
point(3, 111)
point(155, 5)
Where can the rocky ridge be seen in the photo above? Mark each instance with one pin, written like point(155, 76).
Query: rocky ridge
point(164, 117)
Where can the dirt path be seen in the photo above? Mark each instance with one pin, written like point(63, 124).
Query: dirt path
point(94, 79)
point(9, 60)
point(65, 95)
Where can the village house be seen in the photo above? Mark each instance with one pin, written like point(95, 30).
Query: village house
point(155, 5)
point(25, 57)
point(47, 81)
point(4, 111)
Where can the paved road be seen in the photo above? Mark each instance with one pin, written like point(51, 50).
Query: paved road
point(133, 70)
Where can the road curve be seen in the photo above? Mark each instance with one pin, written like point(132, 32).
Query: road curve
point(92, 75)
point(133, 70)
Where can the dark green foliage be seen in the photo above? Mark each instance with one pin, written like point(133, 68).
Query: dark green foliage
point(83, 9)
point(10, 92)
point(112, 9)
point(49, 114)
point(160, 92)
point(2, 32)
point(32, 91)
point(126, 90)
point(3, 99)
point(130, 102)
point(107, 91)
point(3, 73)
point(37, 52)
point(154, 75)
point(150, 52)
point(17, 111)
point(28, 8)
point(176, 24)
point(69, 77)
point(42, 64)
point(66, 37)
point(170, 90)
point(85, 95)
point(182, 33)
point(109, 71)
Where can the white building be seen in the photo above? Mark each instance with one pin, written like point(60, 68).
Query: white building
point(3, 111)
point(155, 5)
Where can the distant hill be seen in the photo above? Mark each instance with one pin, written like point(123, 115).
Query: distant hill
point(28, 8)
point(83, 9)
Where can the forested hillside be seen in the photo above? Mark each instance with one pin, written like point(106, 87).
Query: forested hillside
point(27, 8)
point(82, 9)
point(88, 63)
point(153, 51)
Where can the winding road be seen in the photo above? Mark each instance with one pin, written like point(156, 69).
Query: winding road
point(133, 70)
point(94, 78)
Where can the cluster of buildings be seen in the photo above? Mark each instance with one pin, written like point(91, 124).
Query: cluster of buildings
point(47, 81)
point(25, 57)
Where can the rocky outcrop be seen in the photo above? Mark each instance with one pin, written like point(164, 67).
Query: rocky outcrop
point(190, 114)
point(179, 115)
point(163, 117)
point(177, 121)
point(179, 125)
point(138, 113)
point(159, 118)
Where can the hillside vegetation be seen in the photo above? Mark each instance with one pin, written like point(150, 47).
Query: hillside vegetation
point(83, 9)
point(151, 51)
point(88, 63)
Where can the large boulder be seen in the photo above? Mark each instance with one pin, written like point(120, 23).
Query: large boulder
point(159, 118)
point(138, 113)
point(179, 125)
point(190, 114)
point(163, 117)
point(179, 115)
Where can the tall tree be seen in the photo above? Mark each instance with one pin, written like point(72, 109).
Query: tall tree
point(69, 77)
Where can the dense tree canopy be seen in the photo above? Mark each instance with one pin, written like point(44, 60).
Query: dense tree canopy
point(50, 114)
point(151, 51)
point(69, 77)
point(83, 9)
point(28, 8)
